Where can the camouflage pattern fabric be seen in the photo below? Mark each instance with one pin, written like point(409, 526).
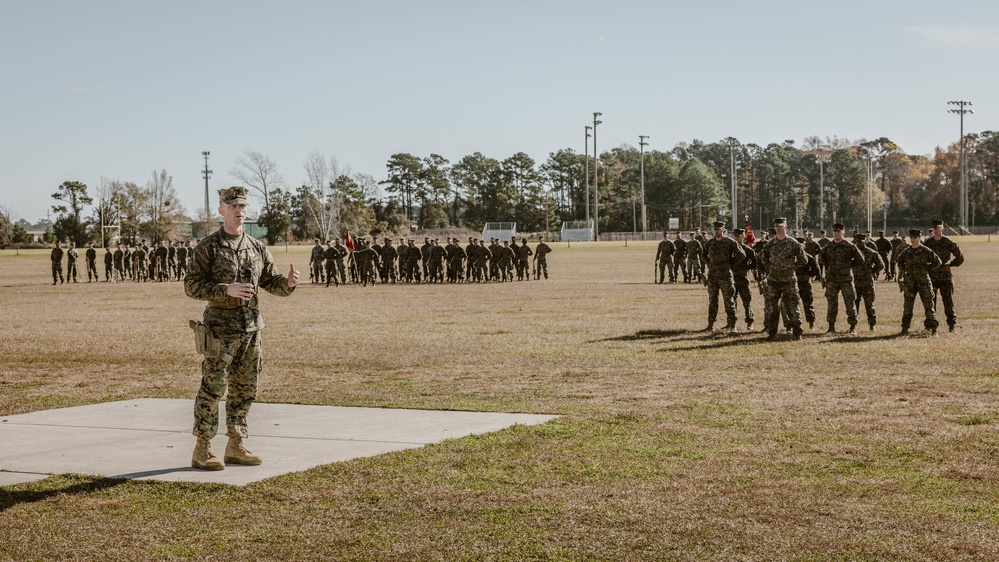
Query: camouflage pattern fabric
point(778, 260)
point(914, 265)
point(56, 258)
point(839, 259)
point(943, 280)
point(221, 259)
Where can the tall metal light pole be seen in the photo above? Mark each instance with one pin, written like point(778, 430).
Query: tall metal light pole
point(822, 196)
point(964, 175)
point(596, 182)
point(735, 190)
point(586, 172)
point(206, 173)
point(641, 170)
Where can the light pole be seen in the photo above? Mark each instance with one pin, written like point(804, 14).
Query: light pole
point(822, 196)
point(596, 183)
point(641, 167)
point(586, 172)
point(206, 173)
point(964, 180)
point(735, 192)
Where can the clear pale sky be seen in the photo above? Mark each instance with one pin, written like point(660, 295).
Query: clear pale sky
point(120, 89)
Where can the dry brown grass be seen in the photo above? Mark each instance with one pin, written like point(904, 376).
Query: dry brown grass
point(673, 445)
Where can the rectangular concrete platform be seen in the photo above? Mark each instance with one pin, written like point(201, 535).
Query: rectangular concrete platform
point(150, 439)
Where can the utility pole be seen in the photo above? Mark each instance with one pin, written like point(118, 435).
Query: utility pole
point(206, 174)
point(641, 167)
point(964, 174)
point(586, 172)
point(596, 181)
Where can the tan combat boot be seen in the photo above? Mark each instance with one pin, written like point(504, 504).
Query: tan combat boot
point(236, 453)
point(204, 458)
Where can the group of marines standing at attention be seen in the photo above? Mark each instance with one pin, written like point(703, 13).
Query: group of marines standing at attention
point(431, 262)
point(163, 261)
point(784, 266)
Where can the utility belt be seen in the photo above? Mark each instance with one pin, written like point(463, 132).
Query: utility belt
point(205, 343)
point(740, 272)
point(231, 303)
point(781, 273)
point(841, 271)
point(917, 271)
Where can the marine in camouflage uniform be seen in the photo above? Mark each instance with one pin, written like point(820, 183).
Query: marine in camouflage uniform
point(524, 253)
point(883, 247)
point(779, 258)
point(943, 280)
point(316, 263)
point(679, 257)
point(694, 251)
point(506, 258)
point(227, 269)
point(91, 256)
point(838, 258)
point(403, 251)
point(804, 274)
point(740, 273)
point(664, 257)
point(721, 254)
point(897, 245)
point(915, 262)
point(389, 255)
point(56, 257)
point(71, 257)
point(541, 252)
point(864, 277)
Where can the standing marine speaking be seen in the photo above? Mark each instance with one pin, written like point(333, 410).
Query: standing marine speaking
point(226, 269)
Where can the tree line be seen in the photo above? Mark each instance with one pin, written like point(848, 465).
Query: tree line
point(821, 181)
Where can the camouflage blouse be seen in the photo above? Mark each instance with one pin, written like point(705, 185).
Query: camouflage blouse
point(221, 259)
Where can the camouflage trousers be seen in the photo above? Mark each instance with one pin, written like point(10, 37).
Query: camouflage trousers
point(836, 284)
point(780, 293)
point(317, 271)
point(238, 376)
point(866, 294)
point(924, 288)
point(541, 267)
point(57, 272)
point(92, 270)
point(693, 268)
point(723, 283)
point(71, 271)
point(807, 299)
point(678, 268)
point(666, 264)
point(743, 292)
point(945, 287)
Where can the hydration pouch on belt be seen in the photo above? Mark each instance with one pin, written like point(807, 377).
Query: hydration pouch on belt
point(205, 343)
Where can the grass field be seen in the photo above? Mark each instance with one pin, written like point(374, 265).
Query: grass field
point(674, 444)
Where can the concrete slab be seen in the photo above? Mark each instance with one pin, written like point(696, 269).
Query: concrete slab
point(150, 439)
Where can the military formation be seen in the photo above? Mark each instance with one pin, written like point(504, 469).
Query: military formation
point(784, 265)
point(161, 261)
point(431, 262)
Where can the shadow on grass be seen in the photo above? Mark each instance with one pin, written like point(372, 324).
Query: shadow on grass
point(55, 487)
point(643, 335)
point(861, 339)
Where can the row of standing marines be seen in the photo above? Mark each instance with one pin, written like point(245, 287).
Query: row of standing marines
point(784, 267)
point(164, 261)
point(431, 262)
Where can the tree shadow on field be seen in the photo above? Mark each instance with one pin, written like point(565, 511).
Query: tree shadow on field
point(9, 499)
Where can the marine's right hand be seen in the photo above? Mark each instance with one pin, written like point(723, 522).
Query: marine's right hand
point(240, 290)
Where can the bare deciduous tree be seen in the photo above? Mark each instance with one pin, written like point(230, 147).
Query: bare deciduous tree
point(325, 204)
point(258, 172)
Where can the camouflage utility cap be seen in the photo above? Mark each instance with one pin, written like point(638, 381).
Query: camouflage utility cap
point(718, 225)
point(235, 195)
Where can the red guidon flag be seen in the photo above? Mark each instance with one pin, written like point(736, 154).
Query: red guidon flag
point(749, 233)
point(350, 242)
